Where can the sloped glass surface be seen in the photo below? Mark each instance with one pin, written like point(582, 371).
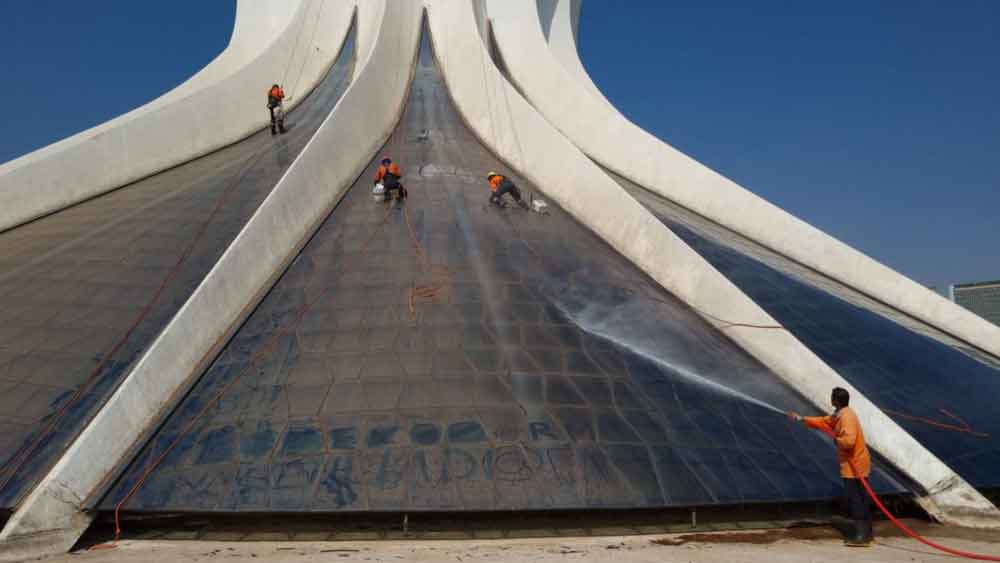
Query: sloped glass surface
point(940, 391)
point(446, 355)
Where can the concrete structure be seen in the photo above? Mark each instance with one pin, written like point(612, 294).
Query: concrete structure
point(982, 298)
point(529, 119)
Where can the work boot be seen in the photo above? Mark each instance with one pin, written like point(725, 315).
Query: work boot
point(861, 534)
point(842, 525)
point(868, 531)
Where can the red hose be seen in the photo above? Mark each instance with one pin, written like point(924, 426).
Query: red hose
point(916, 536)
point(908, 531)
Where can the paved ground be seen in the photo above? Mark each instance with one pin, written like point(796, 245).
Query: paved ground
point(770, 546)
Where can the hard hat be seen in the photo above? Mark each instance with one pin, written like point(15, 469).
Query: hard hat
point(386, 158)
point(491, 174)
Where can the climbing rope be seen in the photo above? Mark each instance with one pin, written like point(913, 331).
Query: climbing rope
point(964, 428)
point(295, 48)
point(308, 57)
point(440, 274)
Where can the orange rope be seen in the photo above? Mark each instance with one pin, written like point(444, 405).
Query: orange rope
point(725, 323)
point(441, 272)
point(965, 427)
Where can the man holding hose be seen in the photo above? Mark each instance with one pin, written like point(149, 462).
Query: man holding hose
point(855, 461)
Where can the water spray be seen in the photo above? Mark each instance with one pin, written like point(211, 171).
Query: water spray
point(680, 370)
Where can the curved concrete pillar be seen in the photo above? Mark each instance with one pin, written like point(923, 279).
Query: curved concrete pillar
point(562, 38)
point(564, 99)
point(220, 105)
point(52, 517)
point(519, 135)
point(255, 28)
point(369, 17)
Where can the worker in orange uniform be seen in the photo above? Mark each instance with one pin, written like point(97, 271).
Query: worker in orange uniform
point(855, 461)
point(500, 185)
point(389, 174)
point(275, 101)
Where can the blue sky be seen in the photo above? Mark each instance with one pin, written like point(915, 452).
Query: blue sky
point(875, 121)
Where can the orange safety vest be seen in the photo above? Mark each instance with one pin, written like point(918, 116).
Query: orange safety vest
point(277, 93)
point(393, 169)
point(495, 182)
point(846, 431)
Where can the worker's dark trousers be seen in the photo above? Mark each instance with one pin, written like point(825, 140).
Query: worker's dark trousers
point(398, 188)
point(275, 124)
point(858, 508)
point(505, 188)
point(391, 184)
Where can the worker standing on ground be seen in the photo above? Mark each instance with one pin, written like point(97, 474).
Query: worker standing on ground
point(855, 461)
point(275, 101)
point(389, 174)
point(500, 185)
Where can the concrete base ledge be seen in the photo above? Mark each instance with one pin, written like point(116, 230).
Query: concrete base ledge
point(37, 546)
point(512, 129)
point(562, 95)
point(333, 159)
point(961, 504)
point(224, 106)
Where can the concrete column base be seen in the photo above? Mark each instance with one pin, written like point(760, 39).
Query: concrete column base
point(955, 502)
point(47, 543)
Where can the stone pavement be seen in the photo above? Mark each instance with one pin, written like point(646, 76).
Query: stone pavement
point(767, 546)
